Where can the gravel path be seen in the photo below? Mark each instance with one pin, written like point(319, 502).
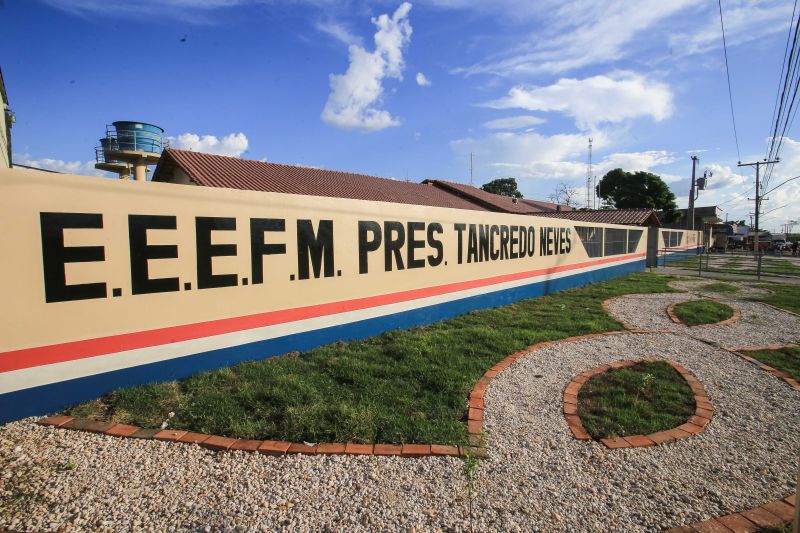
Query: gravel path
point(746, 290)
point(760, 324)
point(537, 477)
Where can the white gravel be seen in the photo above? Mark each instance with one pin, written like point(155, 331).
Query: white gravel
point(537, 477)
point(746, 290)
point(759, 325)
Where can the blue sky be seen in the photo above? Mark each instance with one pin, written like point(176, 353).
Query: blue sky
point(410, 89)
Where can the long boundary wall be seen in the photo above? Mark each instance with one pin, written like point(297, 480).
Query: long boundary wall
point(113, 283)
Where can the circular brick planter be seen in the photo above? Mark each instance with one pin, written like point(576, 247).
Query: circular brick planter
point(704, 411)
point(737, 315)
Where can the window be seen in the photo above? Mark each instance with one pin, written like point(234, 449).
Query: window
point(615, 241)
point(634, 236)
point(591, 239)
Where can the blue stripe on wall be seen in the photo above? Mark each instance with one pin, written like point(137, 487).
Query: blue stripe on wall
point(49, 398)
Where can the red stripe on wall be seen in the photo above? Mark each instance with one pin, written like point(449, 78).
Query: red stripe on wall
point(69, 351)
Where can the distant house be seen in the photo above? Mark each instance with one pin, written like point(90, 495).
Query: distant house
point(6, 120)
point(703, 217)
point(206, 170)
point(628, 217)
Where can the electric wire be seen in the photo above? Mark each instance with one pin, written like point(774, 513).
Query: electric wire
point(728, 75)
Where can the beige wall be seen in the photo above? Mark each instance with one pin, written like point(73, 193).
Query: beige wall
point(28, 320)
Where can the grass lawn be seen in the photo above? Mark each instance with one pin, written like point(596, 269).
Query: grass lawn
point(784, 295)
point(638, 400)
point(786, 360)
point(401, 387)
point(722, 288)
point(698, 312)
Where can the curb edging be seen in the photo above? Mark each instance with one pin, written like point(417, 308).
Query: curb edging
point(774, 513)
point(737, 315)
point(696, 424)
point(774, 371)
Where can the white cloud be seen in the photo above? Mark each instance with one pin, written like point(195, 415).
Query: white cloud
point(571, 35)
point(423, 81)
point(356, 95)
point(234, 144)
point(514, 123)
point(529, 154)
point(338, 31)
point(745, 21)
point(591, 101)
point(84, 168)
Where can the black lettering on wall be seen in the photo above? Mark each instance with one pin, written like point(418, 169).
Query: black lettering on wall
point(55, 256)
point(472, 245)
point(436, 244)
point(414, 244)
point(542, 242)
point(494, 253)
point(523, 241)
point(206, 279)
point(569, 240)
point(513, 242)
point(365, 244)
point(531, 241)
point(141, 253)
point(393, 244)
point(460, 229)
point(316, 248)
point(259, 248)
point(483, 242)
point(561, 240)
point(503, 242)
point(550, 232)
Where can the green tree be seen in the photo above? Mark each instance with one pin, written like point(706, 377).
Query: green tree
point(626, 190)
point(504, 186)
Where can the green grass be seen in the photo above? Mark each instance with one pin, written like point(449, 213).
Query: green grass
point(722, 288)
point(740, 265)
point(403, 386)
point(786, 360)
point(638, 400)
point(784, 295)
point(698, 312)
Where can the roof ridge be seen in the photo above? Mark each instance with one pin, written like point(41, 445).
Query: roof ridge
point(287, 165)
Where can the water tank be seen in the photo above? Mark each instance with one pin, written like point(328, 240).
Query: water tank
point(138, 136)
point(108, 144)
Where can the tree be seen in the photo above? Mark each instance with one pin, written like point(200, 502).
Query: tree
point(503, 186)
point(627, 190)
point(564, 194)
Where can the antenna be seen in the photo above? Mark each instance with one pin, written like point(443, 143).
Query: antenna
point(470, 169)
point(590, 197)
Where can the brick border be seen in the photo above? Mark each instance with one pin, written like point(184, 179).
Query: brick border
point(774, 371)
point(737, 315)
point(476, 447)
point(704, 411)
point(774, 513)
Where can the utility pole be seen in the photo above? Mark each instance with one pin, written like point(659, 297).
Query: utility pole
point(690, 209)
point(758, 200)
point(589, 193)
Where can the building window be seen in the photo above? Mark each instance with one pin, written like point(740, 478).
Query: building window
point(634, 236)
point(615, 241)
point(592, 240)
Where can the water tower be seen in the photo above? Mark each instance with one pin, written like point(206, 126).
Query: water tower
point(130, 145)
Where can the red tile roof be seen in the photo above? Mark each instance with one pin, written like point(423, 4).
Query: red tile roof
point(631, 217)
point(234, 173)
point(495, 202)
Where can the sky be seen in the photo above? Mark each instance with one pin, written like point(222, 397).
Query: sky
point(408, 90)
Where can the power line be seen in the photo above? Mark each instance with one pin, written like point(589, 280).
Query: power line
point(728, 74)
point(787, 91)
